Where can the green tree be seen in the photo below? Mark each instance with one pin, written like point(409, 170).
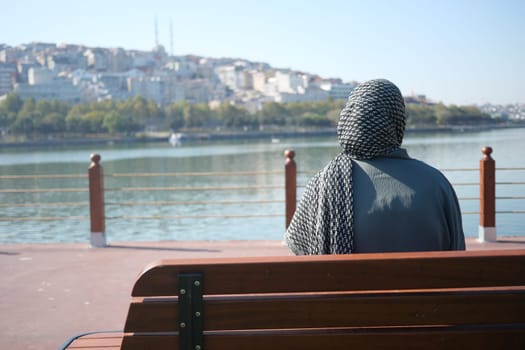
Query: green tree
point(314, 120)
point(52, 122)
point(273, 113)
point(44, 107)
point(234, 117)
point(333, 116)
point(154, 112)
point(84, 120)
point(74, 121)
point(24, 123)
point(115, 122)
point(26, 117)
point(197, 115)
point(175, 115)
point(93, 121)
point(420, 115)
point(12, 104)
point(139, 110)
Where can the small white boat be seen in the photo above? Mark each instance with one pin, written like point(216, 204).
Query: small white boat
point(176, 139)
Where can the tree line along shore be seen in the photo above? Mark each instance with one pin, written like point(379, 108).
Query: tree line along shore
point(137, 119)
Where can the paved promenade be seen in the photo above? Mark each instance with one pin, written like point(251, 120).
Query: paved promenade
point(51, 292)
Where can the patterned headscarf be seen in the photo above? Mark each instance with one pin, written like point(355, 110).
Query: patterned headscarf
point(371, 124)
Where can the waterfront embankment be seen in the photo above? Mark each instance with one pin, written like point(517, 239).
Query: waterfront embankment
point(192, 136)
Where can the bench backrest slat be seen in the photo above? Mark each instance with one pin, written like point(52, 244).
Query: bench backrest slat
point(341, 310)
point(417, 339)
point(335, 273)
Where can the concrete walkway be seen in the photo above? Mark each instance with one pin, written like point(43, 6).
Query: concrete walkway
point(51, 292)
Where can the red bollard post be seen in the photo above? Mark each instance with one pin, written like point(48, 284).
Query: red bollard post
point(290, 184)
point(487, 197)
point(96, 202)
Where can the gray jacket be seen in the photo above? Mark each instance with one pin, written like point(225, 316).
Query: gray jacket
point(400, 204)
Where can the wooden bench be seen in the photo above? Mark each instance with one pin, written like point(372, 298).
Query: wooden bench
point(432, 300)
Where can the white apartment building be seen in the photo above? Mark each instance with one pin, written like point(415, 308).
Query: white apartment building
point(291, 82)
point(89, 85)
point(165, 91)
point(142, 60)
point(308, 95)
point(251, 100)
point(8, 55)
point(234, 76)
point(97, 59)
point(197, 91)
point(119, 60)
point(7, 78)
point(270, 88)
point(151, 88)
point(182, 68)
point(57, 89)
point(23, 67)
point(206, 70)
point(338, 91)
point(115, 84)
point(259, 80)
point(80, 76)
point(40, 75)
point(66, 60)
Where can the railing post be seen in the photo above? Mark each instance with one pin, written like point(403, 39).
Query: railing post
point(487, 197)
point(290, 184)
point(96, 202)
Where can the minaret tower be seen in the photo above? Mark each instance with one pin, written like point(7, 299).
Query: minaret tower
point(156, 32)
point(171, 37)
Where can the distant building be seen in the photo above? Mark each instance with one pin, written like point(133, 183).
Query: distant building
point(97, 59)
point(234, 76)
point(205, 70)
point(35, 47)
point(151, 88)
point(9, 55)
point(310, 94)
point(338, 91)
point(119, 60)
point(182, 68)
point(23, 67)
point(66, 61)
point(115, 85)
point(418, 100)
point(259, 80)
point(97, 74)
point(7, 78)
point(197, 91)
point(291, 82)
point(40, 75)
point(145, 61)
point(58, 89)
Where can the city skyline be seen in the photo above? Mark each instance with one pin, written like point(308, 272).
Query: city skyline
point(467, 52)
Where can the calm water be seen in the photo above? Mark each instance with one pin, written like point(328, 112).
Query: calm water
point(133, 215)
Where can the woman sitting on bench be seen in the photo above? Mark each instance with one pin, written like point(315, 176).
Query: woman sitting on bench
point(373, 197)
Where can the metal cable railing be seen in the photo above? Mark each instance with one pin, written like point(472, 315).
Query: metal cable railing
point(198, 188)
point(195, 188)
point(245, 203)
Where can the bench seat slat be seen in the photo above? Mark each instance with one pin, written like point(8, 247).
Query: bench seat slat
point(334, 272)
point(97, 341)
point(339, 310)
point(508, 339)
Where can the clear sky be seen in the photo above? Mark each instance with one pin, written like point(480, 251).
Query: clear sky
point(453, 51)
